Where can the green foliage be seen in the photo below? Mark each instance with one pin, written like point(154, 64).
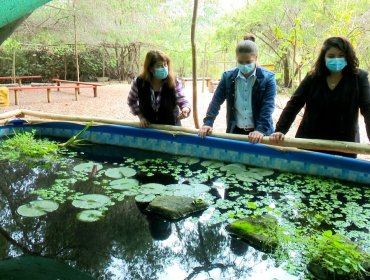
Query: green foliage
point(338, 255)
point(24, 144)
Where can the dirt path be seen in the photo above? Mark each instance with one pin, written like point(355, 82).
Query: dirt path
point(111, 103)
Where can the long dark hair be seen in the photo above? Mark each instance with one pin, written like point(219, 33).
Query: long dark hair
point(346, 47)
point(151, 58)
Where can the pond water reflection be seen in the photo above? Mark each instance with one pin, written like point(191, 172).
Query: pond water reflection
point(129, 244)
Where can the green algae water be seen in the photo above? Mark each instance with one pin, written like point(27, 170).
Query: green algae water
point(80, 208)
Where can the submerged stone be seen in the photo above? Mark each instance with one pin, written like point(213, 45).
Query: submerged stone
point(260, 232)
point(175, 207)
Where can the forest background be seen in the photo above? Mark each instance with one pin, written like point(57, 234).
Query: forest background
point(111, 37)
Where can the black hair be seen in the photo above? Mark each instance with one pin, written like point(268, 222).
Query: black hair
point(346, 47)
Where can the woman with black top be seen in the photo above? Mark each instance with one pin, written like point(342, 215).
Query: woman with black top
point(333, 93)
point(156, 96)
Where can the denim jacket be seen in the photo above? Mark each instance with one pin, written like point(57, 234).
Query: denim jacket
point(263, 100)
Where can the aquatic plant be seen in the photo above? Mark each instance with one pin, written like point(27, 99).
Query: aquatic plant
point(335, 256)
point(91, 201)
point(89, 215)
point(24, 144)
point(37, 208)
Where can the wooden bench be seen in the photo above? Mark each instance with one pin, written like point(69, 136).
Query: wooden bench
point(48, 90)
point(184, 80)
point(94, 85)
point(212, 86)
point(19, 78)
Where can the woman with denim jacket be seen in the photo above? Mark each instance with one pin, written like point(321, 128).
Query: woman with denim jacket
point(249, 91)
point(332, 94)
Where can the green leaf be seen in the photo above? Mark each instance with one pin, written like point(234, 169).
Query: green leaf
point(91, 201)
point(144, 198)
point(37, 208)
point(120, 172)
point(188, 160)
point(212, 164)
point(233, 168)
point(87, 167)
point(124, 184)
point(89, 215)
point(152, 188)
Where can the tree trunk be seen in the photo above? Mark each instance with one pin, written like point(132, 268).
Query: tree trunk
point(194, 66)
point(75, 43)
point(204, 66)
point(103, 62)
point(13, 69)
point(65, 65)
point(286, 70)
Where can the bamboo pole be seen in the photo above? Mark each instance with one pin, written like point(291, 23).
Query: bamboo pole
point(308, 144)
point(10, 114)
point(194, 64)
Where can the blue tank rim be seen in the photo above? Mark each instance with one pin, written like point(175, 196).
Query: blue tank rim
point(350, 167)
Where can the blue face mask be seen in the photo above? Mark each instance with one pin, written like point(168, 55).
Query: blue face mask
point(335, 64)
point(160, 73)
point(246, 68)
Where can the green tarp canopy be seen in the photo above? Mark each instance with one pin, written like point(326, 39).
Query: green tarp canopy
point(13, 12)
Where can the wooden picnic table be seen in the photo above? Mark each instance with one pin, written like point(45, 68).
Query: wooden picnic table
point(77, 83)
point(19, 78)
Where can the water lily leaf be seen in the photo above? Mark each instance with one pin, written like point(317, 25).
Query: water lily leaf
point(193, 190)
point(124, 184)
point(91, 201)
point(37, 208)
point(144, 198)
point(87, 167)
point(188, 160)
point(171, 189)
point(233, 168)
point(131, 192)
point(200, 188)
point(89, 215)
point(261, 171)
point(152, 188)
point(248, 177)
point(120, 172)
point(212, 163)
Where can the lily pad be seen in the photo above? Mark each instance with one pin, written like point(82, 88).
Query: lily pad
point(248, 177)
point(120, 172)
point(37, 208)
point(212, 164)
point(188, 160)
point(124, 184)
point(90, 215)
point(144, 198)
point(193, 190)
point(91, 201)
point(261, 171)
point(171, 189)
point(87, 167)
point(131, 192)
point(152, 188)
point(233, 168)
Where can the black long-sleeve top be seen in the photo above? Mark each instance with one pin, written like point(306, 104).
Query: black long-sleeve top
point(329, 114)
